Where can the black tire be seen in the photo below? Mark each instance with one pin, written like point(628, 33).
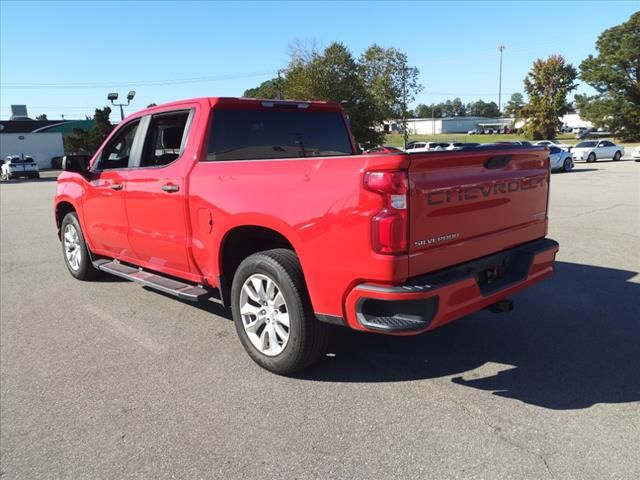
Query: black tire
point(591, 158)
point(308, 337)
point(85, 270)
point(617, 156)
point(567, 166)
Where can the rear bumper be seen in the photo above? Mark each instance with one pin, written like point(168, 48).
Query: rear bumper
point(428, 301)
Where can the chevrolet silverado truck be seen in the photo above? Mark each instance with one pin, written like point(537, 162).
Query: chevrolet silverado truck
point(268, 208)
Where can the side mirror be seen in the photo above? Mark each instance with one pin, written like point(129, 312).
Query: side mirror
point(75, 163)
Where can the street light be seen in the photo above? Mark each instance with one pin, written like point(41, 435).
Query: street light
point(500, 49)
point(112, 97)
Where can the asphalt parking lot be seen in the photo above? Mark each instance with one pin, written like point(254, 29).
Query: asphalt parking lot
point(108, 380)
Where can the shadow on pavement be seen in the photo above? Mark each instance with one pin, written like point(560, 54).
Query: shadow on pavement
point(582, 170)
point(571, 342)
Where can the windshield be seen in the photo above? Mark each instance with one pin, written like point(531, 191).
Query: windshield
point(264, 134)
point(586, 145)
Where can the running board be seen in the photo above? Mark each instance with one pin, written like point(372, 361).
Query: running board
point(179, 289)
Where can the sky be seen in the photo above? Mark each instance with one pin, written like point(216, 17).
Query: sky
point(63, 58)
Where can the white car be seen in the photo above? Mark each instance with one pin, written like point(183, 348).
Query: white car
point(414, 147)
point(560, 159)
point(553, 143)
point(593, 150)
point(636, 154)
point(17, 166)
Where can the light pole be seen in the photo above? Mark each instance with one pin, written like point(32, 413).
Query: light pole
point(114, 96)
point(500, 49)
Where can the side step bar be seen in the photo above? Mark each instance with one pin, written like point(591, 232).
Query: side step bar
point(181, 290)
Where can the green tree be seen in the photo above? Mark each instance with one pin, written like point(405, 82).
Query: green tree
point(615, 75)
point(268, 89)
point(335, 75)
point(458, 109)
point(547, 86)
point(481, 108)
point(390, 81)
point(88, 141)
point(42, 116)
point(514, 105)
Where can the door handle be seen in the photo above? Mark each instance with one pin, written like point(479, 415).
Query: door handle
point(116, 186)
point(170, 188)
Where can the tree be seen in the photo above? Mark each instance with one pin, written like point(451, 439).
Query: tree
point(88, 141)
point(429, 111)
point(335, 75)
point(547, 86)
point(481, 108)
point(378, 86)
point(42, 116)
point(390, 81)
point(458, 109)
point(615, 75)
point(514, 105)
point(268, 89)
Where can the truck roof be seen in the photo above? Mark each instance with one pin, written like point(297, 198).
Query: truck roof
point(241, 102)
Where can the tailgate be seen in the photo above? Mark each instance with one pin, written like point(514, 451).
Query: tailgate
point(468, 204)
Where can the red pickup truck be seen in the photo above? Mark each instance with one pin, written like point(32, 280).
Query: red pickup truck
point(268, 208)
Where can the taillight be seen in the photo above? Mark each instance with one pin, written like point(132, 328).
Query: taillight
point(389, 225)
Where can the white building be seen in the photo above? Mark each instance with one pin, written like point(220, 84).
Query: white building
point(40, 146)
point(428, 126)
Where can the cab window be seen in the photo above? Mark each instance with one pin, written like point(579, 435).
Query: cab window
point(117, 153)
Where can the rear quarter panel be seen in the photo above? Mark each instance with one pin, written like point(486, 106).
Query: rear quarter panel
point(318, 204)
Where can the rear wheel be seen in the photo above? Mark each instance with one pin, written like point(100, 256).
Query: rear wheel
point(74, 249)
point(567, 166)
point(273, 314)
point(617, 156)
point(591, 158)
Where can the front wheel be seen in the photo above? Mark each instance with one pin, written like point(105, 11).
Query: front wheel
point(617, 156)
point(567, 166)
point(74, 249)
point(273, 314)
point(591, 158)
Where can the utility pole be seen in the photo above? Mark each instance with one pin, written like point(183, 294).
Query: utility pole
point(500, 49)
point(280, 84)
point(405, 122)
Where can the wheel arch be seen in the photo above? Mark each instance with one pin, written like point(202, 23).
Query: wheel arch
point(62, 208)
point(242, 241)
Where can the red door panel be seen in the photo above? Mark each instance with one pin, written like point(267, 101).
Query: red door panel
point(105, 216)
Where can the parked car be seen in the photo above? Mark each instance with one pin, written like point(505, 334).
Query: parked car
point(520, 143)
point(415, 147)
point(475, 131)
point(577, 130)
point(585, 134)
point(560, 159)
point(636, 154)
point(554, 143)
point(593, 150)
point(16, 166)
point(384, 149)
point(461, 145)
point(221, 199)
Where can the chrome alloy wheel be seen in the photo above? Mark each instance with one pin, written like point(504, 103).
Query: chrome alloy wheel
point(72, 247)
point(265, 315)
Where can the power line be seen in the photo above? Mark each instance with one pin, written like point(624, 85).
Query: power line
point(141, 83)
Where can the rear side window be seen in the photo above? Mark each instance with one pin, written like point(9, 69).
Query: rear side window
point(554, 150)
point(164, 139)
point(264, 134)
